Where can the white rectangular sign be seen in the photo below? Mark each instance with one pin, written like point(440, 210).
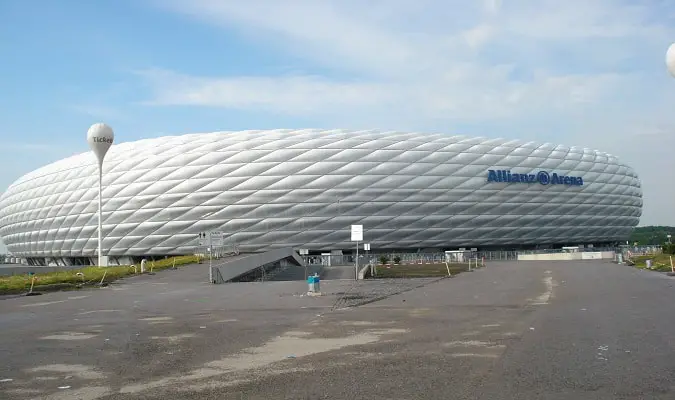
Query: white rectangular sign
point(217, 238)
point(366, 246)
point(357, 233)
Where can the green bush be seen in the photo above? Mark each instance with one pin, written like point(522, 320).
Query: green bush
point(384, 260)
point(669, 248)
point(397, 260)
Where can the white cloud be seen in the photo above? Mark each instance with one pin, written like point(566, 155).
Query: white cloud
point(31, 147)
point(461, 93)
point(97, 111)
point(590, 69)
point(456, 59)
point(288, 94)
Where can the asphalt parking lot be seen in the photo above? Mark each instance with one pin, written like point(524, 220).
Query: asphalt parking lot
point(558, 330)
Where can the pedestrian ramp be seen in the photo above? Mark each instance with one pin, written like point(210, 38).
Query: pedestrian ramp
point(255, 266)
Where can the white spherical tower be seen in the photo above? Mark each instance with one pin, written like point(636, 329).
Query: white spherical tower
point(670, 59)
point(100, 137)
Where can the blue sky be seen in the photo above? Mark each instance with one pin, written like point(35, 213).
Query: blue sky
point(576, 72)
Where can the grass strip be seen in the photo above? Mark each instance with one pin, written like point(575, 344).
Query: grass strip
point(660, 262)
point(59, 280)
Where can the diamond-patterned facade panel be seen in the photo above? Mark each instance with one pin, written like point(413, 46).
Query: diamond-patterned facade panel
point(304, 188)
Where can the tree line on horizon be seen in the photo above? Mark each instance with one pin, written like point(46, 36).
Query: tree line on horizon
point(652, 235)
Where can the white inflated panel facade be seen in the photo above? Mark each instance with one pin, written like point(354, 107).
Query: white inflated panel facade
point(304, 188)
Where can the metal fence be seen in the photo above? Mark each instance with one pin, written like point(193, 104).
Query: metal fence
point(439, 257)
point(217, 252)
point(405, 258)
point(641, 250)
point(644, 249)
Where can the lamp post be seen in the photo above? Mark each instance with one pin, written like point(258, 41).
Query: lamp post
point(100, 137)
point(670, 59)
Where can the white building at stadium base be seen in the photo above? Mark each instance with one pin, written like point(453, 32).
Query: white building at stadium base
point(304, 188)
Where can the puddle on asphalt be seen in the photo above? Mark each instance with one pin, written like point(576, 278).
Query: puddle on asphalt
point(77, 370)
point(83, 393)
point(546, 296)
point(156, 319)
point(474, 355)
point(69, 336)
point(418, 312)
point(174, 338)
point(98, 311)
point(46, 303)
point(23, 391)
point(472, 343)
point(365, 323)
point(281, 347)
point(298, 333)
point(288, 346)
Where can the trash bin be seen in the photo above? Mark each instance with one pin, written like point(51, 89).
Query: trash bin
point(313, 283)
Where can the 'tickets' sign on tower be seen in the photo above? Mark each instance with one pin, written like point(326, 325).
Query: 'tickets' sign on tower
point(100, 137)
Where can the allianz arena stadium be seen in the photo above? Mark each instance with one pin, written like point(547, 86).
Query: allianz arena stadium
point(305, 188)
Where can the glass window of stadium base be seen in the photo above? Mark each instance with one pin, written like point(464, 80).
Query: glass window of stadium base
point(302, 189)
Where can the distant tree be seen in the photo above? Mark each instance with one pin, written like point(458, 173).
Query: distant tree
point(669, 248)
point(384, 259)
point(397, 260)
point(651, 235)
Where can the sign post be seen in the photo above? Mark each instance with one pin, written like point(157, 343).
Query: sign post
point(304, 252)
point(210, 259)
point(366, 247)
point(357, 236)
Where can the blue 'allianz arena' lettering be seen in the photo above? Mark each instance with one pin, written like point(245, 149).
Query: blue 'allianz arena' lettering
point(542, 177)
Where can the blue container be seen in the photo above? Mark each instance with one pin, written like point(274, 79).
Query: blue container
point(313, 282)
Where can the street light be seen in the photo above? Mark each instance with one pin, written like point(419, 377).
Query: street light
point(670, 59)
point(100, 137)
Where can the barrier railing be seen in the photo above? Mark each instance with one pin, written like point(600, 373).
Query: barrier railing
point(438, 257)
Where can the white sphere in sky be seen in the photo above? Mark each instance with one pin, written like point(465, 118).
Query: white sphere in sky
point(670, 59)
point(100, 137)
